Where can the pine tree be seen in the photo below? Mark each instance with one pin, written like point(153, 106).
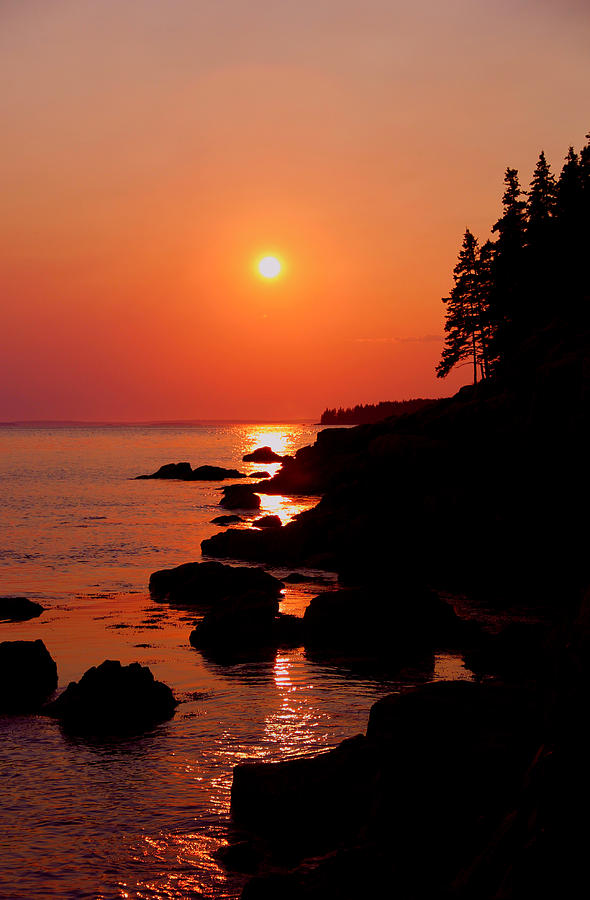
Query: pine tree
point(542, 200)
point(465, 318)
point(539, 282)
point(507, 270)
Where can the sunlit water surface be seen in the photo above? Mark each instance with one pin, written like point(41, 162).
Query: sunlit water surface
point(141, 818)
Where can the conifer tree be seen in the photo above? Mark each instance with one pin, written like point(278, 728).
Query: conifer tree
point(507, 269)
point(542, 200)
point(539, 282)
point(465, 318)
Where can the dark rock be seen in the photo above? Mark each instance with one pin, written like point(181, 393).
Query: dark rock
point(458, 749)
point(259, 475)
point(215, 473)
point(227, 520)
point(363, 622)
point(204, 584)
point(297, 578)
point(243, 621)
point(182, 471)
point(268, 522)
point(243, 856)
point(263, 455)
point(313, 802)
point(28, 675)
point(114, 699)
point(520, 650)
point(272, 886)
point(288, 630)
point(19, 609)
point(239, 496)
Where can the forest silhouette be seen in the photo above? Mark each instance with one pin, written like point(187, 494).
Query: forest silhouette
point(533, 274)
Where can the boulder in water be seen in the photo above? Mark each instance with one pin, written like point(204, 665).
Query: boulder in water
point(182, 471)
point(239, 496)
point(263, 455)
point(204, 584)
point(268, 522)
point(227, 520)
point(28, 675)
point(114, 699)
point(19, 609)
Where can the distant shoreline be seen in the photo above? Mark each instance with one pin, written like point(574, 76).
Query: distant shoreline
point(155, 423)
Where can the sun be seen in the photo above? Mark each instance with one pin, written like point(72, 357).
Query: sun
point(269, 267)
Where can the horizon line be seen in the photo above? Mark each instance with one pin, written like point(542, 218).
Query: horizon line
point(299, 420)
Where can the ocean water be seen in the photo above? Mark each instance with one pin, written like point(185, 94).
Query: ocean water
point(142, 817)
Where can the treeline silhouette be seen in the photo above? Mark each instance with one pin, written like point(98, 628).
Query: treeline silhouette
point(535, 273)
point(368, 413)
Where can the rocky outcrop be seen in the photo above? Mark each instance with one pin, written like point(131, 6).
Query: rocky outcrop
point(227, 520)
point(114, 699)
point(268, 522)
point(183, 471)
point(19, 609)
point(239, 496)
point(28, 675)
point(452, 749)
point(204, 584)
point(263, 455)
point(394, 625)
point(259, 475)
point(245, 620)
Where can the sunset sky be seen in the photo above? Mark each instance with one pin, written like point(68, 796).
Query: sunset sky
point(154, 150)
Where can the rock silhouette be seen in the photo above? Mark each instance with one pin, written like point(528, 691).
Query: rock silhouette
point(19, 609)
point(268, 522)
point(183, 471)
point(204, 584)
point(28, 675)
point(114, 699)
point(263, 455)
point(239, 496)
point(227, 520)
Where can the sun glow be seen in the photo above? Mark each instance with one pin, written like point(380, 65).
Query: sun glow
point(269, 267)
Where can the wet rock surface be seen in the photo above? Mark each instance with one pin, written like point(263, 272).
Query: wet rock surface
point(114, 699)
point(19, 609)
point(28, 676)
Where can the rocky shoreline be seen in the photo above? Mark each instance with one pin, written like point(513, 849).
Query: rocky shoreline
point(456, 789)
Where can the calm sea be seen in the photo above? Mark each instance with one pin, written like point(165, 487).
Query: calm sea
point(141, 818)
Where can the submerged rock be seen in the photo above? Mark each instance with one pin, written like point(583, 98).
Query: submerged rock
point(19, 609)
point(263, 455)
point(204, 584)
point(114, 699)
point(268, 522)
point(227, 520)
point(184, 472)
point(239, 496)
point(28, 675)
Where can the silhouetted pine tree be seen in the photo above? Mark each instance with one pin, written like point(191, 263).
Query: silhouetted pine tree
point(539, 283)
point(507, 271)
point(466, 317)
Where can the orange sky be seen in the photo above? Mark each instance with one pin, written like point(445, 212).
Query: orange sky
point(154, 149)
